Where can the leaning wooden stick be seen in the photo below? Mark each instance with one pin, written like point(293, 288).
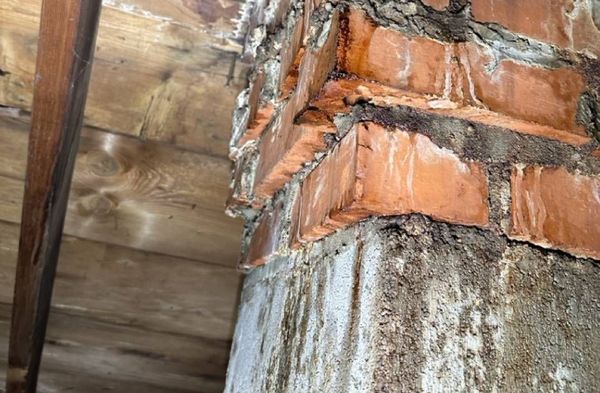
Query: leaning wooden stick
point(65, 50)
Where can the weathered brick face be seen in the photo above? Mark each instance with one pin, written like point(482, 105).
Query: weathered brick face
point(541, 19)
point(392, 58)
point(543, 96)
point(266, 236)
point(374, 119)
point(354, 182)
point(555, 208)
point(565, 23)
point(286, 148)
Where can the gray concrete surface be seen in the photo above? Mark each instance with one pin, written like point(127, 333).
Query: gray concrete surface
point(412, 305)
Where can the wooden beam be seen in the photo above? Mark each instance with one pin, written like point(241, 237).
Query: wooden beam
point(65, 49)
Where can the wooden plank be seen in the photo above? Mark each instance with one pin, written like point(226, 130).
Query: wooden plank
point(83, 355)
point(215, 16)
point(142, 195)
point(162, 76)
point(67, 41)
point(123, 286)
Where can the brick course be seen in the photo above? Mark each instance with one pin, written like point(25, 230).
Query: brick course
point(266, 236)
point(556, 209)
point(565, 23)
point(327, 69)
point(286, 148)
point(466, 80)
point(374, 171)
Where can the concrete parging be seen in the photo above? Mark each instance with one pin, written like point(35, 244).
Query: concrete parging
point(420, 184)
point(305, 322)
point(411, 305)
point(469, 311)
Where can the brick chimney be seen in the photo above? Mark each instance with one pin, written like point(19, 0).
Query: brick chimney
point(421, 186)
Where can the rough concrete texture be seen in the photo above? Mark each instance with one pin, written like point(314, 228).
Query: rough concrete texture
point(408, 304)
point(304, 321)
point(412, 305)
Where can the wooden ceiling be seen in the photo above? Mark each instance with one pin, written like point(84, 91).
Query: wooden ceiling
point(146, 290)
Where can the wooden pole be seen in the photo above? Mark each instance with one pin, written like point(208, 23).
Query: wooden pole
point(65, 50)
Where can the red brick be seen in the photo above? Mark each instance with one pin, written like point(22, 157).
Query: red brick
point(284, 150)
point(373, 171)
point(558, 22)
point(390, 57)
point(328, 190)
point(260, 114)
point(406, 172)
point(263, 117)
point(544, 96)
point(286, 147)
point(290, 58)
point(316, 65)
point(456, 80)
point(265, 239)
point(556, 209)
point(337, 95)
point(541, 19)
point(437, 4)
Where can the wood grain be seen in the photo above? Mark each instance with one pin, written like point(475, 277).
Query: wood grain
point(67, 42)
point(163, 72)
point(84, 355)
point(163, 69)
point(128, 287)
point(146, 196)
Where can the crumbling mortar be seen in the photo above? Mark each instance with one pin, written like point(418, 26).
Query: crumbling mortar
point(240, 118)
point(483, 143)
point(588, 114)
point(505, 45)
point(455, 24)
point(546, 55)
point(320, 22)
point(287, 195)
point(461, 136)
point(496, 148)
point(249, 156)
